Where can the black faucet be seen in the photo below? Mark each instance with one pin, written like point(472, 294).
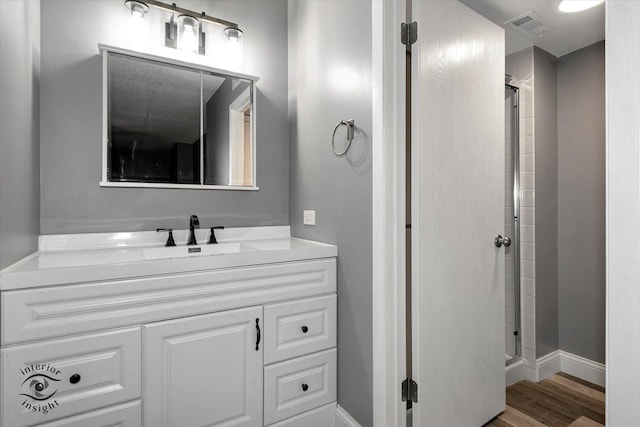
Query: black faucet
point(194, 223)
point(170, 241)
point(212, 236)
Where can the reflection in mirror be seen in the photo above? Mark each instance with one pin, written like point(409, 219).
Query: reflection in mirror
point(228, 125)
point(168, 124)
point(154, 122)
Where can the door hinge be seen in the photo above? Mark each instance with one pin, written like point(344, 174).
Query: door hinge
point(409, 33)
point(409, 390)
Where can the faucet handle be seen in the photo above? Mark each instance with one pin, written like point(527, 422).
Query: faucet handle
point(170, 241)
point(212, 236)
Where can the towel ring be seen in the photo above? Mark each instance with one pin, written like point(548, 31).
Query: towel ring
point(349, 124)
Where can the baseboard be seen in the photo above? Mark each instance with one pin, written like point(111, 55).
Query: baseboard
point(514, 373)
point(585, 369)
point(548, 365)
point(343, 419)
point(530, 374)
point(571, 364)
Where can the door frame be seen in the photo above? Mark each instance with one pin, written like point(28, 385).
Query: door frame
point(388, 212)
point(388, 207)
point(622, 212)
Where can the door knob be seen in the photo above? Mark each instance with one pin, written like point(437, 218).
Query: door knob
point(499, 241)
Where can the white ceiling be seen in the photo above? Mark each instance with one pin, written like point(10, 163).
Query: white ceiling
point(566, 33)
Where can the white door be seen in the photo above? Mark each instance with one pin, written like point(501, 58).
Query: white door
point(204, 370)
point(457, 210)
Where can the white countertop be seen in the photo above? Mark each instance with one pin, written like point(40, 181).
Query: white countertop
point(85, 258)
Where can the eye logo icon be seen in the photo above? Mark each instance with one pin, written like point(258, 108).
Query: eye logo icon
point(41, 387)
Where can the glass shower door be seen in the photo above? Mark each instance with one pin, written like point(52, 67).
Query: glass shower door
point(512, 226)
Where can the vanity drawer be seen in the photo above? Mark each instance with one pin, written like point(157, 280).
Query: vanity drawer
point(298, 385)
point(127, 415)
point(55, 379)
point(299, 327)
point(60, 310)
point(325, 416)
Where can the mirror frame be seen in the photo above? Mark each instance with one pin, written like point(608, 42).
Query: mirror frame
point(104, 52)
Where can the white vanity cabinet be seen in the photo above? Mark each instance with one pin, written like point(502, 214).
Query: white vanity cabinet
point(251, 345)
point(204, 370)
point(213, 369)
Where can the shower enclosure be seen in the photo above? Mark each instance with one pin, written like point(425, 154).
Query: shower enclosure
point(512, 224)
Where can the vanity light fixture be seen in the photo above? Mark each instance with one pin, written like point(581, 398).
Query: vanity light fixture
point(233, 34)
point(572, 6)
point(137, 8)
point(187, 32)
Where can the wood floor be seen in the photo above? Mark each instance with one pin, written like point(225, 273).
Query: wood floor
point(560, 401)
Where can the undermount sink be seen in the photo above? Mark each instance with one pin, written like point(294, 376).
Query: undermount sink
point(200, 250)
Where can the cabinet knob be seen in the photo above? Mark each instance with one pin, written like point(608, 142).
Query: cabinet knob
point(305, 387)
point(75, 378)
point(305, 329)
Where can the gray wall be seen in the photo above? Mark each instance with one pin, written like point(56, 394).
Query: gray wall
point(329, 80)
point(19, 129)
point(581, 202)
point(569, 161)
point(546, 201)
point(71, 96)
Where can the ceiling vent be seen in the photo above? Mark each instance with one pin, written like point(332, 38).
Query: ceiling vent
point(526, 24)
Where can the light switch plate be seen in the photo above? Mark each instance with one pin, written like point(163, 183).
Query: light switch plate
point(310, 217)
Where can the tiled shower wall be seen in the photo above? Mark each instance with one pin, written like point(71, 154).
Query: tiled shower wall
point(527, 228)
point(520, 66)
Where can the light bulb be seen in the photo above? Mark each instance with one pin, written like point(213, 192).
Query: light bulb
point(137, 12)
point(137, 8)
point(188, 33)
point(233, 34)
point(571, 6)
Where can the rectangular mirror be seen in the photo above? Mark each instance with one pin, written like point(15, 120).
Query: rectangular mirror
point(171, 124)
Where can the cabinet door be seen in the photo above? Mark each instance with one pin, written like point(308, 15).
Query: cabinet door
point(204, 370)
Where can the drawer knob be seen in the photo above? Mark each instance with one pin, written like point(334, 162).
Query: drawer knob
point(75, 378)
point(305, 329)
point(305, 387)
